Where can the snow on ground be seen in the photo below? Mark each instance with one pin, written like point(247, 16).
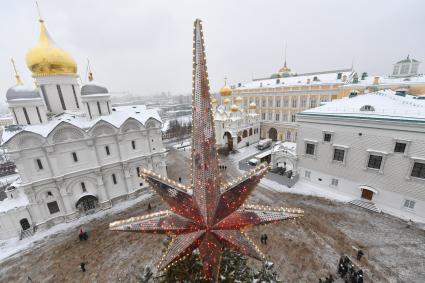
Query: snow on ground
point(305, 188)
point(12, 246)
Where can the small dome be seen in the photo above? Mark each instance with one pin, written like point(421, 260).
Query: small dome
point(238, 99)
point(234, 108)
point(22, 92)
point(252, 105)
point(91, 88)
point(48, 59)
point(225, 91)
point(214, 101)
point(226, 101)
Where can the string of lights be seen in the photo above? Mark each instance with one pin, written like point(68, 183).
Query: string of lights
point(210, 214)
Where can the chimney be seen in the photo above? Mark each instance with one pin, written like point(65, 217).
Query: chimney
point(376, 80)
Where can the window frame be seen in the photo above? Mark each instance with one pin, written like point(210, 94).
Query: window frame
point(315, 143)
point(333, 184)
point(406, 150)
point(114, 179)
point(331, 133)
point(409, 176)
point(108, 152)
point(409, 201)
point(55, 206)
point(307, 174)
point(39, 164)
point(377, 153)
point(339, 147)
point(74, 156)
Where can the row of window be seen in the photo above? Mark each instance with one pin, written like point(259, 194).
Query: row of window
point(294, 103)
point(408, 204)
point(75, 157)
point(278, 117)
point(375, 160)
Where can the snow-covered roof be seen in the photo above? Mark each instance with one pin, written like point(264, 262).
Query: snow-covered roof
point(21, 200)
point(330, 77)
point(376, 105)
point(388, 80)
point(117, 118)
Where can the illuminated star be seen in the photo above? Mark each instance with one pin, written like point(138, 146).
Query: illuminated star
point(213, 215)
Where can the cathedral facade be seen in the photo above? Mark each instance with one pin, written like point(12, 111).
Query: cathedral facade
point(75, 153)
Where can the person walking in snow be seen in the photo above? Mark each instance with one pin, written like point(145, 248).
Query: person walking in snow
point(83, 267)
point(359, 254)
point(149, 206)
point(262, 238)
point(265, 239)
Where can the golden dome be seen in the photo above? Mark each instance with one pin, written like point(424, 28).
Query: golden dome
point(225, 91)
point(214, 101)
point(226, 101)
point(252, 105)
point(238, 99)
point(234, 108)
point(48, 59)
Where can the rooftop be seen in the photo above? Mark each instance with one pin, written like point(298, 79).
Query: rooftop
point(117, 117)
point(319, 78)
point(376, 105)
point(388, 80)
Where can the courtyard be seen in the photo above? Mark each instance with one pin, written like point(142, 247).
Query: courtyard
point(302, 251)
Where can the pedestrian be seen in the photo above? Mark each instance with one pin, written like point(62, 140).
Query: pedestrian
point(330, 279)
point(359, 254)
point(262, 238)
point(225, 167)
point(83, 267)
point(265, 239)
point(180, 179)
point(29, 279)
point(149, 206)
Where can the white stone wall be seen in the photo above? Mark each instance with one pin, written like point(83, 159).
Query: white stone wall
point(50, 83)
point(61, 176)
point(360, 138)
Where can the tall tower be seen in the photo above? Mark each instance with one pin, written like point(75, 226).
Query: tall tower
point(55, 72)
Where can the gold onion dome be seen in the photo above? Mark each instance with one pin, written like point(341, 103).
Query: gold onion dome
point(225, 91)
point(238, 99)
point(252, 105)
point(45, 58)
point(226, 101)
point(234, 108)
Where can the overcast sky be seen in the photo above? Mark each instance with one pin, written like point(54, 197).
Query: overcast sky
point(145, 47)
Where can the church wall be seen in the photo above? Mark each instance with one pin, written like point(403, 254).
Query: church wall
point(9, 222)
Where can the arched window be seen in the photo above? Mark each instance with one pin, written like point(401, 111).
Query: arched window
point(49, 194)
point(367, 108)
point(288, 135)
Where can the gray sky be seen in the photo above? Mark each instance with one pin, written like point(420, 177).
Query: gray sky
point(145, 47)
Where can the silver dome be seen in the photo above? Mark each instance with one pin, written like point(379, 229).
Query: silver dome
point(22, 92)
point(89, 89)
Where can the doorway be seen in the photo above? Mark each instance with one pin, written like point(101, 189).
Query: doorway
point(367, 194)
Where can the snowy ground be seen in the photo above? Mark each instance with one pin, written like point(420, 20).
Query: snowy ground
point(302, 251)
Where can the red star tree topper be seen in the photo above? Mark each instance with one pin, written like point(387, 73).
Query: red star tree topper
point(213, 215)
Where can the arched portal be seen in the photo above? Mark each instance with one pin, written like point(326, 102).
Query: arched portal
point(239, 139)
point(273, 134)
point(87, 202)
point(24, 224)
point(229, 140)
point(250, 131)
point(245, 134)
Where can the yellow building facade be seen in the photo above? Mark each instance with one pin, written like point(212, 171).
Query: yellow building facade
point(280, 97)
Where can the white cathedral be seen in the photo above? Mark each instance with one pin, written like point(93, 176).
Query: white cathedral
point(235, 127)
point(74, 152)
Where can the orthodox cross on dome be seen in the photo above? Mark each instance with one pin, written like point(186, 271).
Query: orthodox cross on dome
point(18, 78)
point(213, 216)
